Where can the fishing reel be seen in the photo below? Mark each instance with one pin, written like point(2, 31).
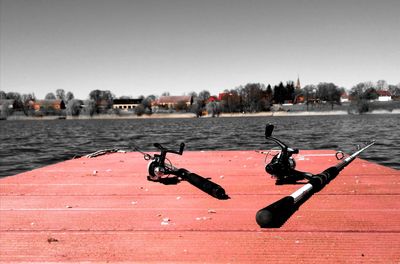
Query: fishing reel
point(282, 165)
point(158, 169)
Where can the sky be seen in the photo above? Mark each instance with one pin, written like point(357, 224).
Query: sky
point(144, 47)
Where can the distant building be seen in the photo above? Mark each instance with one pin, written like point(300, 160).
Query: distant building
point(221, 96)
point(171, 102)
point(212, 99)
point(384, 96)
point(47, 105)
point(299, 99)
point(344, 97)
point(126, 104)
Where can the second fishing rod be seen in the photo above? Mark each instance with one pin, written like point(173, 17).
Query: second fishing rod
point(282, 167)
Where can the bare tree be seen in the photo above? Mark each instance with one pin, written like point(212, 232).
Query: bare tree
point(13, 96)
point(145, 106)
point(69, 96)
point(359, 89)
point(74, 107)
point(89, 107)
point(103, 100)
point(231, 101)
point(394, 90)
point(50, 96)
point(197, 108)
point(360, 92)
point(329, 92)
point(214, 108)
point(139, 110)
point(253, 97)
point(382, 85)
point(3, 95)
point(193, 94)
point(5, 110)
point(60, 94)
point(204, 95)
point(25, 98)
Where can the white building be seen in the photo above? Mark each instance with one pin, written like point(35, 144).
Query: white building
point(384, 96)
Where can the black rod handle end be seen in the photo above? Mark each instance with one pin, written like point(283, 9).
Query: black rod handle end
point(274, 215)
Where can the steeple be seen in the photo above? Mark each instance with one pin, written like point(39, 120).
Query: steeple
point(298, 86)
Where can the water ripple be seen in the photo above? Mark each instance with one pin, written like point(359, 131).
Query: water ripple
point(26, 145)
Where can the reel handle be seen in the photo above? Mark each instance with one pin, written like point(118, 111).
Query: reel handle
point(165, 150)
point(157, 167)
point(286, 151)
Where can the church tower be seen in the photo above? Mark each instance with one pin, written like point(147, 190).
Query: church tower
point(298, 86)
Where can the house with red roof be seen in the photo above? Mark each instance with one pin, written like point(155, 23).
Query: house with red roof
point(54, 105)
point(344, 97)
point(384, 96)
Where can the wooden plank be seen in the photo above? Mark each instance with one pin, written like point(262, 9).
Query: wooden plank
point(201, 247)
point(195, 219)
point(249, 202)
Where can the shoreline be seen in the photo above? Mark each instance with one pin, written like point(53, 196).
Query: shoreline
point(191, 115)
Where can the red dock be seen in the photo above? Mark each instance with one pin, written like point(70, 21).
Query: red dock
point(103, 209)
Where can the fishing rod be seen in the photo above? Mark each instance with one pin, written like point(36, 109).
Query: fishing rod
point(275, 214)
point(160, 171)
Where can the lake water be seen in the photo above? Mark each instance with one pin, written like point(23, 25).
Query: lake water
point(26, 145)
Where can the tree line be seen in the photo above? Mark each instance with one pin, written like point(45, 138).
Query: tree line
point(252, 97)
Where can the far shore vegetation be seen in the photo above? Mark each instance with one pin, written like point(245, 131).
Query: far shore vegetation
point(250, 98)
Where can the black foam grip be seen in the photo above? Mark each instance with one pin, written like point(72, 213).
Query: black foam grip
point(275, 214)
point(203, 184)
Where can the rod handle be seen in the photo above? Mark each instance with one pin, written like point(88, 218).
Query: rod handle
point(203, 184)
point(274, 214)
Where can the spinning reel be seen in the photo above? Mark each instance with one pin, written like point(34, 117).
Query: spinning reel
point(159, 171)
point(157, 168)
point(282, 166)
